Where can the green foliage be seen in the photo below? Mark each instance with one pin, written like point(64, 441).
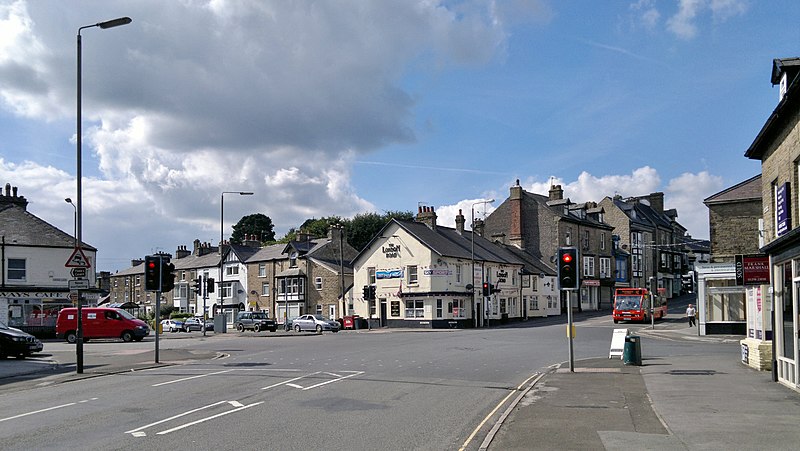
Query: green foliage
point(256, 224)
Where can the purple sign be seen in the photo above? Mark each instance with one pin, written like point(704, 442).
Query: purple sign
point(782, 210)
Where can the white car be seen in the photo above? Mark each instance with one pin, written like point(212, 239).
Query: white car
point(316, 323)
point(171, 325)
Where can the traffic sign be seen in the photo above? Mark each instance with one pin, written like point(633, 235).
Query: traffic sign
point(78, 273)
point(78, 284)
point(78, 260)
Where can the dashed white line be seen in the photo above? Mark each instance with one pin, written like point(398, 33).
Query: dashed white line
point(46, 410)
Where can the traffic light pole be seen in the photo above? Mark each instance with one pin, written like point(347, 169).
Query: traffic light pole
point(158, 303)
point(569, 331)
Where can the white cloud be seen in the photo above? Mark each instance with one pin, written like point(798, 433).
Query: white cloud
point(684, 22)
point(686, 193)
point(646, 14)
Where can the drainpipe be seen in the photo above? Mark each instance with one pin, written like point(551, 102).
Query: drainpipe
point(3, 262)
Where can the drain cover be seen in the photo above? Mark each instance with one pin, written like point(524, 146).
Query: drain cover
point(692, 372)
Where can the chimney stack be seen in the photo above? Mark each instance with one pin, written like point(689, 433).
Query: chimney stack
point(11, 198)
point(460, 222)
point(556, 193)
point(182, 252)
point(427, 216)
point(515, 204)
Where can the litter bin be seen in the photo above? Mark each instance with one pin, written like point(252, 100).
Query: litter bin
point(357, 322)
point(347, 322)
point(632, 353)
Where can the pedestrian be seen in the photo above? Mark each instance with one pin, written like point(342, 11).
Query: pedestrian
point(690, 313)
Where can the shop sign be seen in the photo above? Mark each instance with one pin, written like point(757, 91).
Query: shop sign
point(437, 272)
point(782, 208)
point(391, 250)
point(389, 274)
point(502, 276)
point(591, 283)
point(752, 270)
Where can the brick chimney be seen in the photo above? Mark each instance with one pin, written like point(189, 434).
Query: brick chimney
point(556, 193)
point(460, 222)
point(182, 252)
point(11, 198)
point(656, 201)
point(302, 236)
point(515, 204)
point(251, 241)
point(427, 216)
point(136, 262)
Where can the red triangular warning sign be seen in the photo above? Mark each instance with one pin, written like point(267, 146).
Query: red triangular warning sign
point(78, 260)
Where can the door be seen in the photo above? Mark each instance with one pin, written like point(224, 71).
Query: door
point(332, 311)
point(383, 313)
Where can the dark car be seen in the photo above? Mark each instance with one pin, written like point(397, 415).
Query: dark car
point(257, 321)
point(17, 343)
point(192, 324)
point(209, 324)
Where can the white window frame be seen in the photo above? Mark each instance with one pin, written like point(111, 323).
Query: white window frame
point(15, 272)
point(459, 311)
point(318, 283)
point(588, 266)
point(415, 308)
point(605, 267)
point(262, 270)
point(232, 270)
point(602, 240)
point(413, 276)
point(264, 288)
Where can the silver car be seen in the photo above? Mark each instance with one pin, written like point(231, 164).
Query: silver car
point(316, 323)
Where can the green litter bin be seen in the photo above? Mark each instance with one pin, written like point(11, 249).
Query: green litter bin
point(632, 353)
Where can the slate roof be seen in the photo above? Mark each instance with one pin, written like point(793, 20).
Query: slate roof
point(782, 116)
point(268, 253)
point(749, 189)
point(193, 261)
point(21, 228)
point(447, 242)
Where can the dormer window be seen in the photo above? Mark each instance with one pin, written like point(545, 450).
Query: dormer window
point(293, 259)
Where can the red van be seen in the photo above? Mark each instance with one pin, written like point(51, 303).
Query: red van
point(100, 322)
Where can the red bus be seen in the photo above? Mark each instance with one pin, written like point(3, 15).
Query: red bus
point(633, 304)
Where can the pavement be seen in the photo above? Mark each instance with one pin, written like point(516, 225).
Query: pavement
point(684, 402)
point(694, 401)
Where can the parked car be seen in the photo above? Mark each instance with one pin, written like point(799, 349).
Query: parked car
point(100, 322)
point(17, 343)
point(316, 323)
point(172, 325)
point(287, 324)
point(257, 321)
point(209, 324)
point(191, 324)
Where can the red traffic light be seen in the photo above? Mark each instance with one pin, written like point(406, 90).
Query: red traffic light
point(566, 257)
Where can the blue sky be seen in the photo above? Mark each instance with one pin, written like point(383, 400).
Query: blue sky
point(339, 108)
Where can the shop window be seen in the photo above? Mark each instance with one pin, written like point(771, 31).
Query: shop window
point(415, 309)
point(724, 301)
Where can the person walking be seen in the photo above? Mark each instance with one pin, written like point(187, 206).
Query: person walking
point(690, 313)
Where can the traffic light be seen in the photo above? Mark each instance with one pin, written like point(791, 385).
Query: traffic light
point(209, 285)
point(486, 289)
point(372, 292)
point(167, 275)
point(152, 273)
point(197, 285)
point(366, 291)
point(568, 268)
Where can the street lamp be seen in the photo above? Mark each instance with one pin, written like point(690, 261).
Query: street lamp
point(78, 210)
point(221, 229)
point(472, 253)
point(74, 221)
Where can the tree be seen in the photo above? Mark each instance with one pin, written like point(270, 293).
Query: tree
point(257, 224)
point(363, 227)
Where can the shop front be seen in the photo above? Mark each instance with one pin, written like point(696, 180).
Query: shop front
point(720, 300)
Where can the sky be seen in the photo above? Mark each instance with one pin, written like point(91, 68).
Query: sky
point(324, 108)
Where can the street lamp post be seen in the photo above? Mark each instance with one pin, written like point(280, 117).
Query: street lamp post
point(221, 229)
point(74, 221)
point(78, 209)
point(472, 254)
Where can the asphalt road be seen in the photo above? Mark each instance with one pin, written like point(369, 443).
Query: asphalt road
point(351, 390)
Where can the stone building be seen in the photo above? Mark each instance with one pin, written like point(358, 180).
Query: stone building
point(777, 147)
point(306, 276)
point(541, 224)
point(734, 215)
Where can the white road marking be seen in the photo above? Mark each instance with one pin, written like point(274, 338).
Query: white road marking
point(203, 420)
point(173, 417)
point(191, 377)
point(355, 373)
point(37, 411)
point(287, 382)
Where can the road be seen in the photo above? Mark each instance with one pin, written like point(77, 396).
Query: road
point(353, 390)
